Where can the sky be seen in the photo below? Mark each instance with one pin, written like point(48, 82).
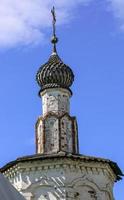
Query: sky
point(91, 42)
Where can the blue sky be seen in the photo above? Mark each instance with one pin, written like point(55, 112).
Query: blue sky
point(91, 41)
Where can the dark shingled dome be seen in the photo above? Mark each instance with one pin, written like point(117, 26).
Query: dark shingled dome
point(54, 74)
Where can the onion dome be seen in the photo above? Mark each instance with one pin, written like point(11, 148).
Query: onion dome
point(54, 73)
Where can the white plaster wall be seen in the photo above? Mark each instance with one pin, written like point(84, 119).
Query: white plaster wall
point(66, 134)
point(40, 137)
point(51, 135)
point(56, 101)
point(57, 134)
point(63, 180)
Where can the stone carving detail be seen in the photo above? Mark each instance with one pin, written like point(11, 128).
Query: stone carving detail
point(55, 181)
point(45, 188)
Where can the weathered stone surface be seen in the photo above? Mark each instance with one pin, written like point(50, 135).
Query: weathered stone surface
point(63, 179)
point(56, 133)
point(56, 101)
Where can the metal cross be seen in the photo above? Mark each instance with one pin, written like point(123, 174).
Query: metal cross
point(54, 20)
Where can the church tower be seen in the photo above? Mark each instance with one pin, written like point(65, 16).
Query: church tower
point(57, 171)
point(56, 130)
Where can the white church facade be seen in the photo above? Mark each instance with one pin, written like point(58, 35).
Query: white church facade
point(58, 171)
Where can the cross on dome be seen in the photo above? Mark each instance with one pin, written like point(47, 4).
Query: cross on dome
point(54, 73)
point(54, 39)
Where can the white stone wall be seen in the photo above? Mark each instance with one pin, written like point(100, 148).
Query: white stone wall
point(55, 134)
point(40, 137)
point(56, 131)
point(51, 135)
point(60, 179)
point(56, 101)
point(66, 134)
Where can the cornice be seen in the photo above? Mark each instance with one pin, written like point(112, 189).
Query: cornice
point(83, 163)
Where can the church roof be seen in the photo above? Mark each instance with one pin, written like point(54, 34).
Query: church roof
point(7, 191)
point(115, 168)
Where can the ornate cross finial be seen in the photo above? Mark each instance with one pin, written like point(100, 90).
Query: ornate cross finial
point(54, 39)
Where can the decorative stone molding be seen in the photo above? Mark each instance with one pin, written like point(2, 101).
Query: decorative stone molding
point(63, 179)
